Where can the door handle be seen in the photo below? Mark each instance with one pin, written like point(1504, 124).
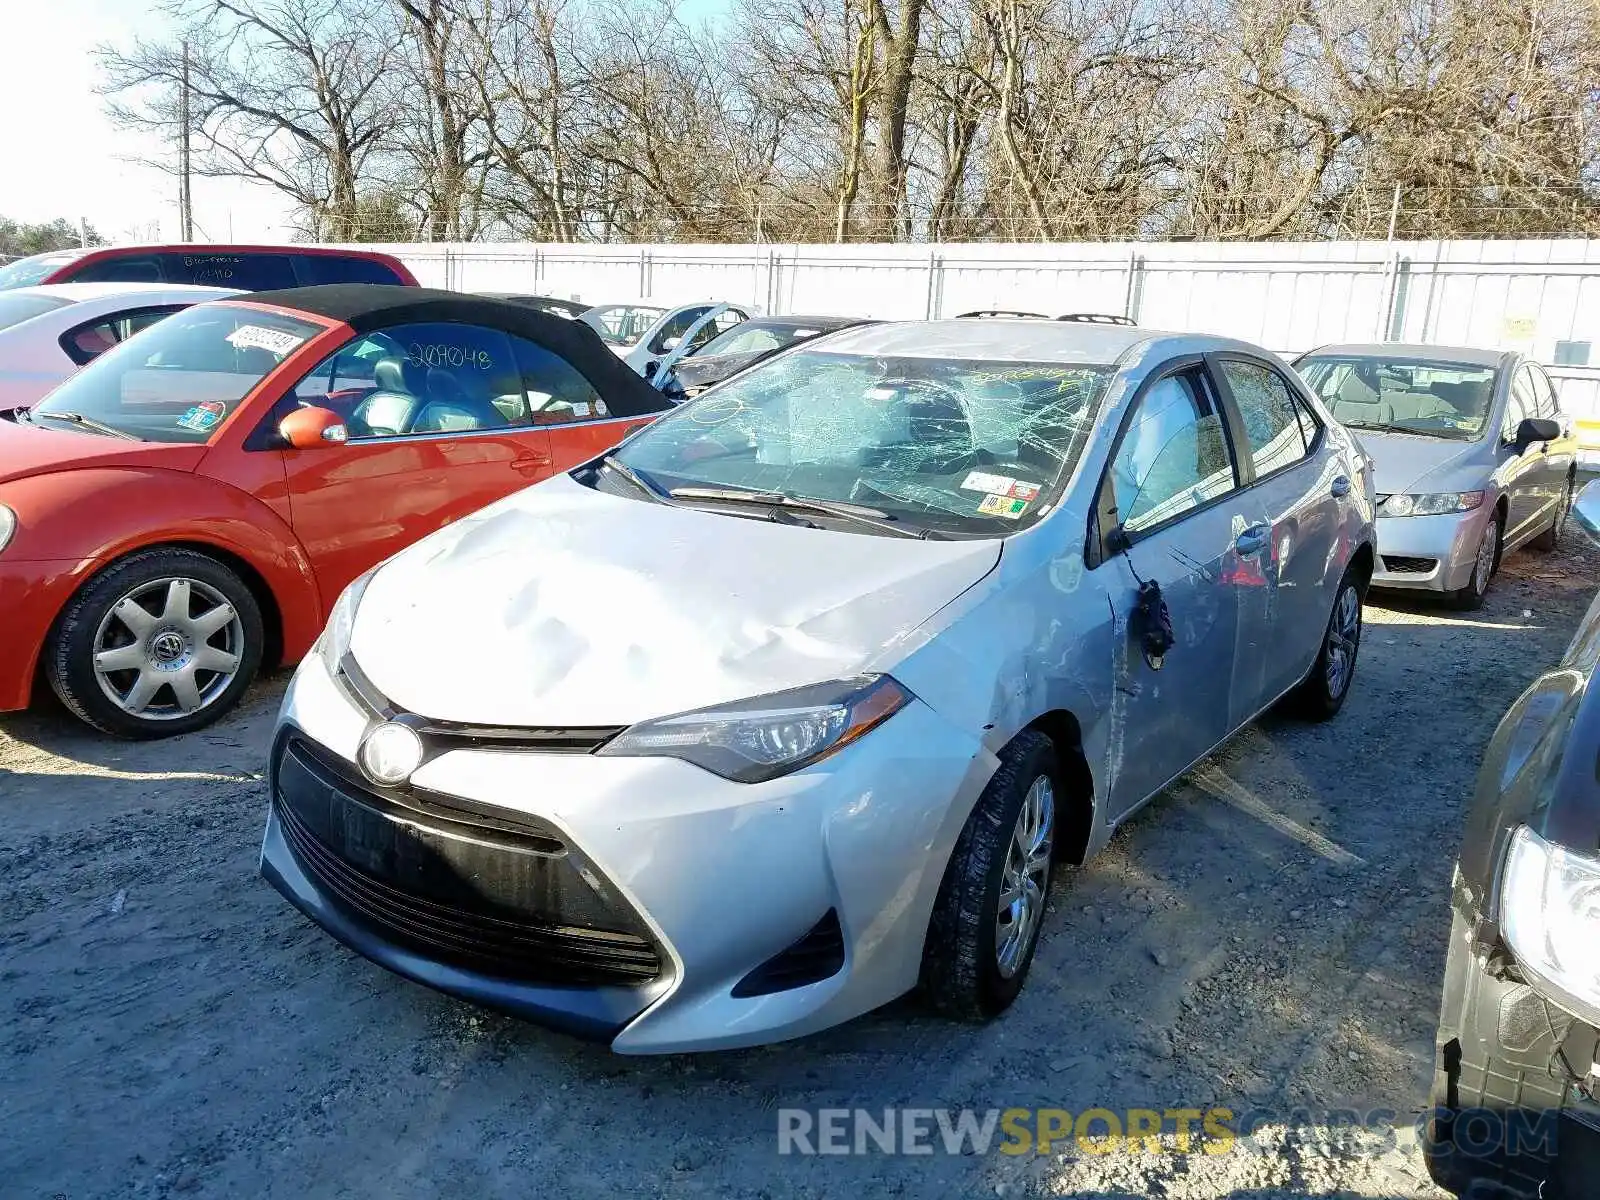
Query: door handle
point(1252, 540)
point(530, 464)
point(1340, 486)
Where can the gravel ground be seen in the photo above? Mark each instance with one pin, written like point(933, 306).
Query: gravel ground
point(1268, 936)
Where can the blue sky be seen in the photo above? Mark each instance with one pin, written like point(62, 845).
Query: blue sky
point(62, 157)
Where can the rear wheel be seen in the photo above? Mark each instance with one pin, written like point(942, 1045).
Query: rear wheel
point(1321, 694)
point(1484, 563)
point(991, 903)
point(159, 643)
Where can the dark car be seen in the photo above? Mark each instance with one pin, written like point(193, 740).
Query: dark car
point(249, 268)
point(747, 344)
point(553, 305)
point(1516, 1091)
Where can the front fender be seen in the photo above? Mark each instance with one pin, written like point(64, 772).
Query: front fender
point(92, 517)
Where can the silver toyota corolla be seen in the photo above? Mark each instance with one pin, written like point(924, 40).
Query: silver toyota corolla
point(1474, 457)
point(794, 699)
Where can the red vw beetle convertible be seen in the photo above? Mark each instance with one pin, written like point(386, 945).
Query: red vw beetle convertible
point(190, 504)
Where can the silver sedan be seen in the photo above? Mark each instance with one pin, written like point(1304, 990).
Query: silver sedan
point(1474, 457)
point(796, 697)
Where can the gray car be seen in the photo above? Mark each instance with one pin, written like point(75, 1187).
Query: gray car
point(1474, 457)
point(795, 697)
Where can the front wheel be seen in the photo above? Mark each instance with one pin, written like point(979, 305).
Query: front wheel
point(1484, 562)
point(991, 902)
point(159, 643)
point(1322, 693)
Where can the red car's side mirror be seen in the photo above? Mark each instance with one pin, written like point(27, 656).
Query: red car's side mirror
point(308, 428)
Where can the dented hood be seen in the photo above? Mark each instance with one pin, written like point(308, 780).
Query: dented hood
point(565, 606)
point(1414, 463)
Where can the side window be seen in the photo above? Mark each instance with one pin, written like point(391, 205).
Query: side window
point(120, 268)
point(336, 268)
point(89, 341)
point(675, 328)
point(1173, 456)
point(432, 378)
point(1309, 428)
point(1271, 417)
point(251, 272)
point(1548, 403)
point(556, 393)
point(1521, 404)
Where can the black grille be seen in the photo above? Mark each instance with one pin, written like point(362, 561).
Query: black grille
point(500, 894)
point(1401, 565)
point(816, 956)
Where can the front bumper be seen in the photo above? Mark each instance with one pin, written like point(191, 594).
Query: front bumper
point(31, 594)
point(1429, 553)
point(1508, 1118)
point(723, 877)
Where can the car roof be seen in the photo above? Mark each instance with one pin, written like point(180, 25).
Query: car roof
point(78, 292)
point(366, 307)
point(1008, 340)
point(1469, 355)
point(806, 322)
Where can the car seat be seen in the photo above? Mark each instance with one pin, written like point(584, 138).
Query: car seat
point(938, 434)
point(1357, 402)
point(454, 407)
point(391, 408)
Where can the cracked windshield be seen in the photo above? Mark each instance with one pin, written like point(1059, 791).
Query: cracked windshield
point(1435, 399)
point(947, 447)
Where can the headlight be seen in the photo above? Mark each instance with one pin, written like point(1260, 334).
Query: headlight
point(749, 741)
point(1430, 504)
point(1550, 914)
point(8, 525)
point(335, 639)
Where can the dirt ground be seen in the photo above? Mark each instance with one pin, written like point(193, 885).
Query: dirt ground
point(1268, 937)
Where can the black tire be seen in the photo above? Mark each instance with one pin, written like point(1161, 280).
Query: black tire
point(1551, 538)
point(1470, 598)
point(69, 657)
point(961, 974)
point(1318, 697)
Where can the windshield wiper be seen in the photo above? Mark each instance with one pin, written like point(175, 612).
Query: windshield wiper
point(83, 422)
point(633, 477)
point(874, 517)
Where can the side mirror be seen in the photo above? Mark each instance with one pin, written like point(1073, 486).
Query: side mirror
point(650, 369)
point(1587, 509)
point(1536, 429)
point(309, 428)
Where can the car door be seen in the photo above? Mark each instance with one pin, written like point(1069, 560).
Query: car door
point(440, 423)
point(1171, 490)
point(1520, 472)
point(1295, 488)
point(1559, 458)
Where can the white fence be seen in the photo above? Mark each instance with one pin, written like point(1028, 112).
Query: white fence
point(1540, 297)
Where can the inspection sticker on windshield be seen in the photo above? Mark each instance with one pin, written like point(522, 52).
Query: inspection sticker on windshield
point(259, 337)
point(1024, 491)
point(1002, 506)
point(204, 417)
point(982, 481)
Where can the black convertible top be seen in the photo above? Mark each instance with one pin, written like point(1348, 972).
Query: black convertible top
point(369, 306)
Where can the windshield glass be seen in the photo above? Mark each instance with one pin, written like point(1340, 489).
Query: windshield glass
point(623, 324)
point(1404, 395)
point(743, 339)
point(14, 310)
point(181, 378)
point(967, 447)
point(27, 271)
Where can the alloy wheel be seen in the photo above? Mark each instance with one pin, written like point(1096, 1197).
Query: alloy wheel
point(1022, 880)
point(1483, 565)
point(1344, 635)
point(168, 648)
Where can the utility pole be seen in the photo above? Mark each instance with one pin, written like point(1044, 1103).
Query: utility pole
point(185, 198)
point(83, 232)
point(1394, 212)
